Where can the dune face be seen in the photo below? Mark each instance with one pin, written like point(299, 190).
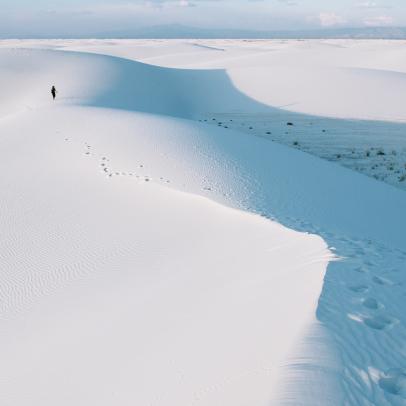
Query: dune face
point(140, 264)
point(123, 282)
point(344, 97)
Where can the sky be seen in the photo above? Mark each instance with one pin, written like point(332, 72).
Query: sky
point(87, 17)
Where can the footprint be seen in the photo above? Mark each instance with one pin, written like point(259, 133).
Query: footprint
point(369, 263)
point(359, 288)
point(394, 382)
point(381, 281)
point(361, 269)
point(379, 322)
point(371, 303)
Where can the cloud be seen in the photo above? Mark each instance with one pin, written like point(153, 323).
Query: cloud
point(288, 2)
point(73, 16)
point(372, 5)
point(379, 21)
point(331, 19)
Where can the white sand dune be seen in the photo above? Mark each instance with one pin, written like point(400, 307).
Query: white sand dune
point(356, 79)
point(359, 96)
point(115, 287)
point(133, 272)
point(359, 93)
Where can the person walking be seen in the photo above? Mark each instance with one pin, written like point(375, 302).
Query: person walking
point(53, 92)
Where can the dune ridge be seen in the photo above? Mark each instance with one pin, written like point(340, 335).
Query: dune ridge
point(101, 136)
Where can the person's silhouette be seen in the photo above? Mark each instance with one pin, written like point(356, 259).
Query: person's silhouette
point(53, 91)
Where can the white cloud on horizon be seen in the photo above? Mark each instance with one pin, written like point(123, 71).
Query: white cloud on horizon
point(331, 19)
point(379, 21)
point(92, 16)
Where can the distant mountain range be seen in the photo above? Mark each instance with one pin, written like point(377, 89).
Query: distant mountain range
point(175, 31)
point(179, 31)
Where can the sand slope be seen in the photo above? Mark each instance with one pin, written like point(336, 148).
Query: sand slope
point(159, 293)
point(118, 289)
point(345, 97)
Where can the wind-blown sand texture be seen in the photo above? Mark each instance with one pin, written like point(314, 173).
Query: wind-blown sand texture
point(153, 253)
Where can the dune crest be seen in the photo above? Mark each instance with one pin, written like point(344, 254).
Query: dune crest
point(141, 262)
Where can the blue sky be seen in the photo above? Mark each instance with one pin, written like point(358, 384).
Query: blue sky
point(91, 16)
